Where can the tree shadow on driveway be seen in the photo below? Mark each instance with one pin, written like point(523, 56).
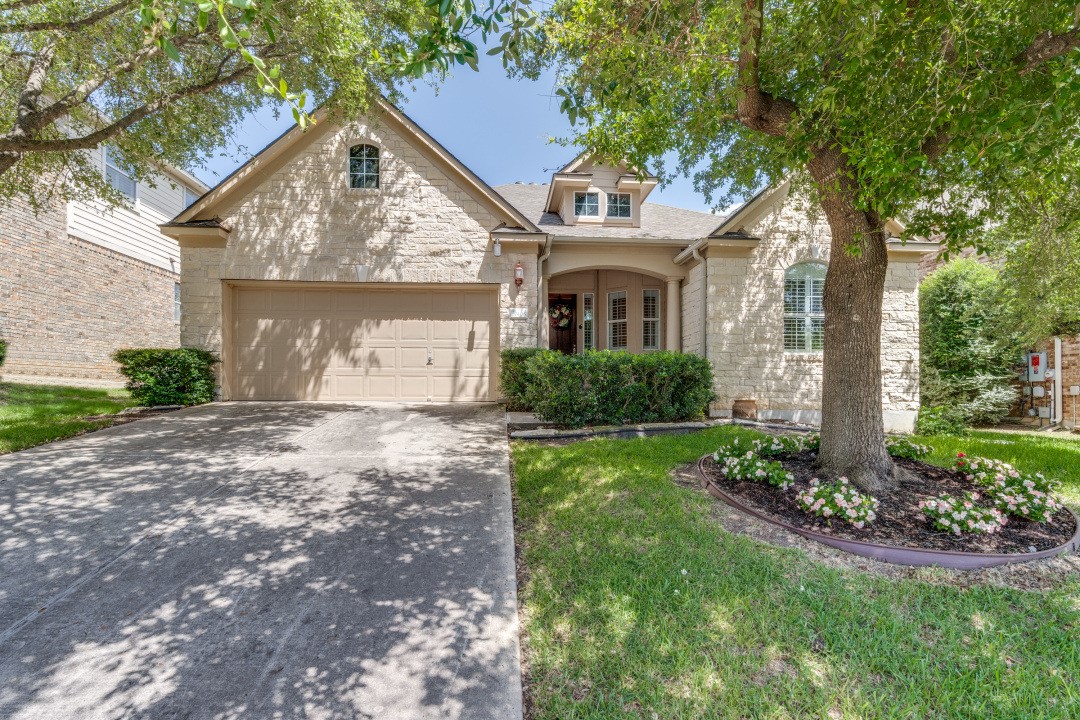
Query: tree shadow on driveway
point(318, 561)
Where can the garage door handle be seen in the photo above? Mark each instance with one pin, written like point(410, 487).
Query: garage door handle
point(430, 359)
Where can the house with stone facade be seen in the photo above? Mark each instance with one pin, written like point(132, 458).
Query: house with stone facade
point(361, 260)
point(79, 280)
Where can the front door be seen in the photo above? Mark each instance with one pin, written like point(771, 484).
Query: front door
point(562, 316)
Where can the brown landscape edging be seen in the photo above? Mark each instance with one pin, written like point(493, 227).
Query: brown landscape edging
point(918, 557)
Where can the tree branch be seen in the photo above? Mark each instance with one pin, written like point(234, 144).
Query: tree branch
point(1045, 47)
point(42, 118)
point(97, 137)
point(67, 25)
point(757, 109)
point(35, 84)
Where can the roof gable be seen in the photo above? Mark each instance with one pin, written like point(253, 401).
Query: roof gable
point(291, 143)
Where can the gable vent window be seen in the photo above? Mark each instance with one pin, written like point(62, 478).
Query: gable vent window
point(618, 205)
point(587, 204)
point(617, 335)
point(363, 166)
point(190, 197)
point(118, 174)
point(804, 312)
point(650, 320)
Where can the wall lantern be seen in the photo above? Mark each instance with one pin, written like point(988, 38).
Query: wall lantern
point(519, 274)
point(496, 249)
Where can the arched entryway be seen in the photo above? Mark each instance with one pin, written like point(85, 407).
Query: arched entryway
point(607, 309)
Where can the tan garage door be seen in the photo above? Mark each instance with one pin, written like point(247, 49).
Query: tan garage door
point(333, 343)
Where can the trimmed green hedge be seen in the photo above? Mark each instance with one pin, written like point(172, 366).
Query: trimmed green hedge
point(609, 388)
point(168, 376)
point(3, 351)
point(512, 376)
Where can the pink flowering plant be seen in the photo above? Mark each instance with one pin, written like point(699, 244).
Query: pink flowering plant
point(839, 500)
point(738, 464)
point(904, 448)
point(959, 515)
point(1021, 495)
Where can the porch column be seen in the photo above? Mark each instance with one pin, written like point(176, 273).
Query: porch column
point(674, 316)
point(543, 326)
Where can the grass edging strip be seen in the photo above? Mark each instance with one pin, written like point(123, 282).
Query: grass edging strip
point(917, 557)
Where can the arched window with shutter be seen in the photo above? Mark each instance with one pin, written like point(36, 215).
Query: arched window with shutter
point(363, 166)
point(804, 313)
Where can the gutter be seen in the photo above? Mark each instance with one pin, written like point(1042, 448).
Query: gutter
point(1058, 389)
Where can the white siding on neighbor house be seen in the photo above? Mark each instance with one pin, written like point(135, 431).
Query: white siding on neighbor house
point(133, 231)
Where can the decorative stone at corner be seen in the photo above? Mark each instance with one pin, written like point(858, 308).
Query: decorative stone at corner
point(916, 557)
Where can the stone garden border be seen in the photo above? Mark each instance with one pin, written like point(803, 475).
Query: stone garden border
point(917, 557)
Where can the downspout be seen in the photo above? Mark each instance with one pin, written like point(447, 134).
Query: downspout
point(541, 310)
point(695, 251)
point(1058, 389)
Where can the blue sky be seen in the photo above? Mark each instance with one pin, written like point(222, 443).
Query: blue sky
point(498, 126)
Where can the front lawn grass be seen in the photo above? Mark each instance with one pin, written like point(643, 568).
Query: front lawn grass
point(35, 414)
point(638, 604)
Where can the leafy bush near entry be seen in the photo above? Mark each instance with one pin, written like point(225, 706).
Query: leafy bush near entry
point(512, 376)
point(940, 420)
point(968, 346)
point(614, 388)
point(168, 376)
point(3, 351)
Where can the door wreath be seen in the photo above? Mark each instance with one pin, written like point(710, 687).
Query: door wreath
point(561, 316)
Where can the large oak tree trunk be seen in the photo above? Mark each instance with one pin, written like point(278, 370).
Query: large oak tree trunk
point(852, 428)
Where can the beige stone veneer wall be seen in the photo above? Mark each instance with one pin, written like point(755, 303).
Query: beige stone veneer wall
point(304, 223)
point(745, 323)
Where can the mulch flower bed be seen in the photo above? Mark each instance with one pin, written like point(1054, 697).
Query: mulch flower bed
point(900, 521)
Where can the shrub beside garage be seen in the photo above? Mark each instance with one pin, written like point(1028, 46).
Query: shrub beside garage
point(607, 388)
point(168, 376)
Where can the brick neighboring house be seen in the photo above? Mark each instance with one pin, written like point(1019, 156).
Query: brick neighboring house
point(361, 260)
point(80, 280)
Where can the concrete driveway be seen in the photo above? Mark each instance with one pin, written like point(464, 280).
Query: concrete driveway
point(263, 560)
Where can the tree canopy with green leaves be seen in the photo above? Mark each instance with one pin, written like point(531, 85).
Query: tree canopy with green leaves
point(169, 81)
point(935, 112)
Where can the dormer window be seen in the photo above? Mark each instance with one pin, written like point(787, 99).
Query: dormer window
point(618, 205)
point(364, 166)
point(587, 204)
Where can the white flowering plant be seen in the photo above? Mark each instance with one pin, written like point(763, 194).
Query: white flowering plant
point(960, 515)
point(904, 448)
point(1021, 495)
point(750, 466)
point(840, 500)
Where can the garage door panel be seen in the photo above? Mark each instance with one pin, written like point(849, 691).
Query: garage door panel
point(367, 343)
point(478, 305)
point(321, 301)
point(384, 329)
point(349, 332)
point(414, 329)
point(382, 359)
point(284, 300)
point(248, 300)
point(350, 302)
point(413, 387)
point(414, 358)
point(446, 330)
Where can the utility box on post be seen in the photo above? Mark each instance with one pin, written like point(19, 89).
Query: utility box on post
point(1036, 364)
